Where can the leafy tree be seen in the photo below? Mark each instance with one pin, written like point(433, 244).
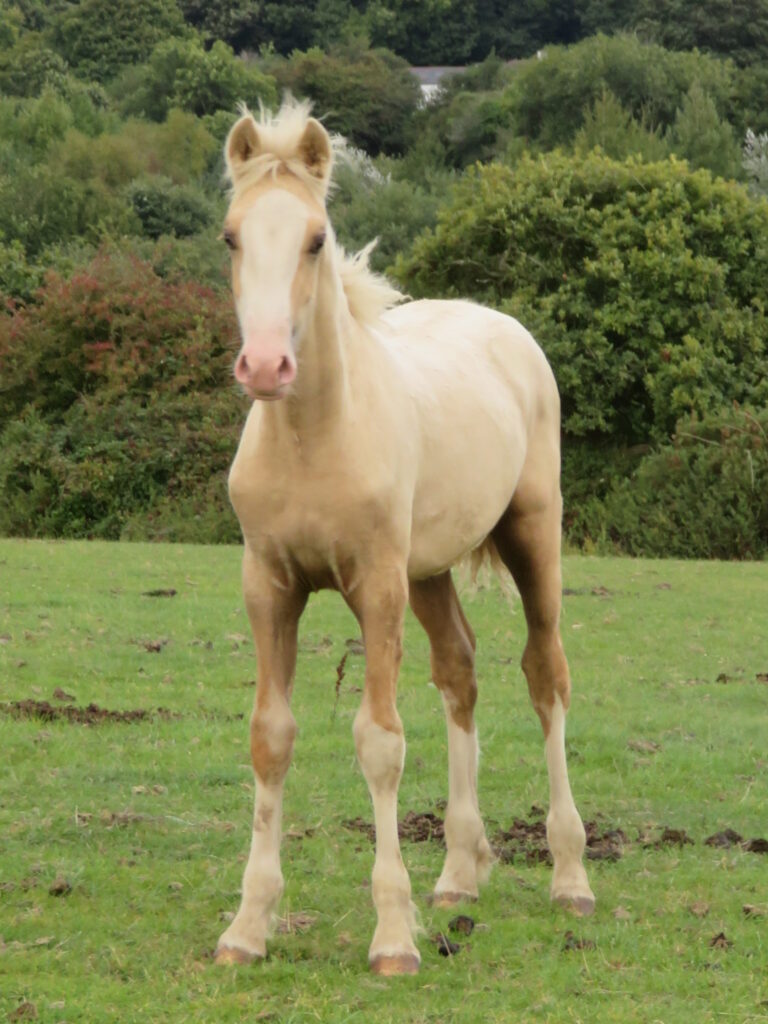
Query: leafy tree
point(167, 209)
point(430, 32)
point(608, 16)
point(748, 106)
point(34, 15)
point(28, 127)
point(645, 283)
point(231, 21)
point(113, 421)
point(547, 98)
point(181, 73)
point(519, 29)
point(374, 200)
point(99, 37)
point(702, 137)
point(368, 96)
point(29, 67)
point(475, 126)
point(610, 127)
point(181, 148)
point(730, 28)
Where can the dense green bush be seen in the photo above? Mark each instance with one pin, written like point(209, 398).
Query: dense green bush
point(547, 98)
point(181, 73)
point(608, 126)
point(99, 37)
point(167, 209)
point(369, 96)
point(738, 30)
point(29, 66)
point(372, 200)
point(704, 495)
point(117, 409)
point(645, 283)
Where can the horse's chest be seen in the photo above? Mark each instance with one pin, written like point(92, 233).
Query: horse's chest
point(317, 521)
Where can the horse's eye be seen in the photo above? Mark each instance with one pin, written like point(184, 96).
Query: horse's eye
point(229, 238)
point(316, 244)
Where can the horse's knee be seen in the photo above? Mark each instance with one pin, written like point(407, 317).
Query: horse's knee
point(273, 731)
point(380, 750)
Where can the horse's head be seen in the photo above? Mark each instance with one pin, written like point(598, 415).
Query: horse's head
point(276, 229)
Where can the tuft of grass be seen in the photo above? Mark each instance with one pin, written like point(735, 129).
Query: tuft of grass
point(148, 821)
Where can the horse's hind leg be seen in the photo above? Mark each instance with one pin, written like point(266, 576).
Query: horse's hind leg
point(529, 544)
point(468, 860)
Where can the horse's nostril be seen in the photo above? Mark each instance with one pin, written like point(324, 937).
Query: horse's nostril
point(286, 370)
point(241, 367)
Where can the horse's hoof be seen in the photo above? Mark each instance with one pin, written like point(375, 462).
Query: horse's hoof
point(389, 966)
point(581, 906)
point(450, 899)
point(233, 955)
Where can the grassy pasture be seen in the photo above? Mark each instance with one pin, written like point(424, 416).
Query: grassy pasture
point(148, 822)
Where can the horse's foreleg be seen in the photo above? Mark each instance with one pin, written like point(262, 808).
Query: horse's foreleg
point(274, 614)
point(379, 603)
point(530, 546)
point(452, 642)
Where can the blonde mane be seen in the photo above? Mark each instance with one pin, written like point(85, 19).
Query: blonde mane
point(368, 294)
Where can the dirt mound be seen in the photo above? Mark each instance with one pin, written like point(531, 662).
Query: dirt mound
point(415, 827)
point(90, 715)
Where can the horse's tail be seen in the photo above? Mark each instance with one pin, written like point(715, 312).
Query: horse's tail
point(486, 554)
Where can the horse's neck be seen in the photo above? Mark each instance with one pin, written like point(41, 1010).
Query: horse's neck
point(320, 397)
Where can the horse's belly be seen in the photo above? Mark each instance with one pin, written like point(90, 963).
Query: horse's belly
point(463, 492)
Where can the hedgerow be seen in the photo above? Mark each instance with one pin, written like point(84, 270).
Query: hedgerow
point(117, 412)
point(644, 283)
point(703, 495)
point(646, 286)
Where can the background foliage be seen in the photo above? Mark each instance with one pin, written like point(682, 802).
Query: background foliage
point(599, 172)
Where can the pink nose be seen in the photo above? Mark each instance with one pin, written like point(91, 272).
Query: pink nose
point(264, 373)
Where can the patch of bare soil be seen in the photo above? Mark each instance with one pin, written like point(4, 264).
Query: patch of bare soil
point(573, 942)
point(599, 591)
point(462, 924)
point(728, 839)
point(60, 886)
point(415, 827)
point(669, 837)
point(90, 715)
point(24, 1011)
point(604, 843)
point(528, 839)
point(725, 839)
point(444, 945)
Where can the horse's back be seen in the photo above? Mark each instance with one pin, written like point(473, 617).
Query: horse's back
point(439, 338)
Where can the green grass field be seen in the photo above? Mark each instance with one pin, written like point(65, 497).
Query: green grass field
point(149, 821)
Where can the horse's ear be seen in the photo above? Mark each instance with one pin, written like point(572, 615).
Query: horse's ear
point(315, 151)
point(243, 143)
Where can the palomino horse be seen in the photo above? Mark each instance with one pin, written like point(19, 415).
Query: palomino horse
point(385, 445)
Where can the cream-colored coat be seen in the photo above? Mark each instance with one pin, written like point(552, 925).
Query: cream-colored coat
point(385, 445)
point(444, 401)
